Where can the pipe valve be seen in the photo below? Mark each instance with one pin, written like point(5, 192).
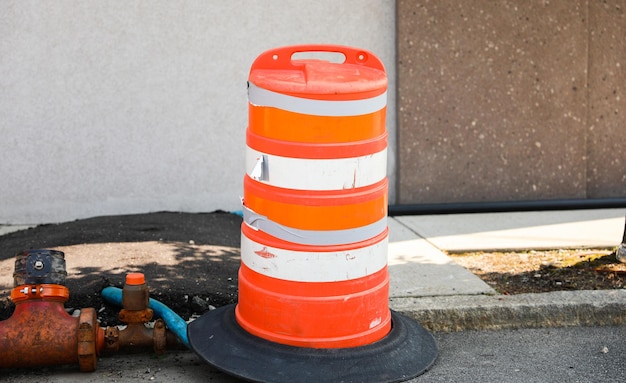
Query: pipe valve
point(54, 336)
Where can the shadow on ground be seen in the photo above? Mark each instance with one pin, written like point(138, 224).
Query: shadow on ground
point(190, 259)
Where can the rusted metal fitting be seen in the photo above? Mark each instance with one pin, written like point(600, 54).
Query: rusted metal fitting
point(135, 294)
point(137, 336)
point(112, 338)
point(48, 292)
point(90, 339)
point(159, 337)
point(135, 300)
point(135, 316)
point(39, 267)
point(40, 332)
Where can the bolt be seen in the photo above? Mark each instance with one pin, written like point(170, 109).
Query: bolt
point(38, 265)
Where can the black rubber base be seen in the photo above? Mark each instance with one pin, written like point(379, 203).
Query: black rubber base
point(406, 352)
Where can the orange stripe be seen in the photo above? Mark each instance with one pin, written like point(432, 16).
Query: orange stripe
point(315, 151)
point(317, 210)
point(289, 126)
point(355, 313)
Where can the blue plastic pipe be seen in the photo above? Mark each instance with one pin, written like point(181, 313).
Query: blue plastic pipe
point(174, 323)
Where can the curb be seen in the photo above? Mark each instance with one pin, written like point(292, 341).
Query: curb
point(496, 312)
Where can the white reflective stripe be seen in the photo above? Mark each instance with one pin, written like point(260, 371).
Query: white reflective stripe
point(263, 97)
point(316, 174)
point(312, 237)
point(309, 266)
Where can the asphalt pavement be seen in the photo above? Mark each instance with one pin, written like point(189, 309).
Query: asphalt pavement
point(576, 336)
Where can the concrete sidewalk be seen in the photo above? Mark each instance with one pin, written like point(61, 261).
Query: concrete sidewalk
point(429, 287)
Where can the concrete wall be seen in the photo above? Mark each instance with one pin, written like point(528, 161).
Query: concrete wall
point(119, 107)
point(511, 100)
point(127, 107)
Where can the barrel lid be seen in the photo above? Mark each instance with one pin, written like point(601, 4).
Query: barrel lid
point(361, 75)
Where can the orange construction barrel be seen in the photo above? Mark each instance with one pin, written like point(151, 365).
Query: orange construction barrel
point(314, 236)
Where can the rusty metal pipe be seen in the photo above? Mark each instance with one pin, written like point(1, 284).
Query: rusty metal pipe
point(177, 327)
point(136, 336)
point(40, 332)
point(135, 300)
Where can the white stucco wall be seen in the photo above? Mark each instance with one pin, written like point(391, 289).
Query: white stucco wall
point(122, 107)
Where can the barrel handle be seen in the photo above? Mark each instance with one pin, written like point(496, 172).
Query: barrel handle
point(280, 58)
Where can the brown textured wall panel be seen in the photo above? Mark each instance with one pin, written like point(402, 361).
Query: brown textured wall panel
point(606, 144)
point(492, 100)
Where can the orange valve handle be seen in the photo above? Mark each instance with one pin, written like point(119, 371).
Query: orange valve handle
point(281, 58)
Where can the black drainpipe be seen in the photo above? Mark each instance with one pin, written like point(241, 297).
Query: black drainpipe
point(507, 206)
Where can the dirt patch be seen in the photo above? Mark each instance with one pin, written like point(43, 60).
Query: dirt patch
point(547, 270)
point(190, 260)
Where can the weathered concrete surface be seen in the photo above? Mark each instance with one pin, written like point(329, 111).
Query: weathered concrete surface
point(496, 312)
point(510, 100)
